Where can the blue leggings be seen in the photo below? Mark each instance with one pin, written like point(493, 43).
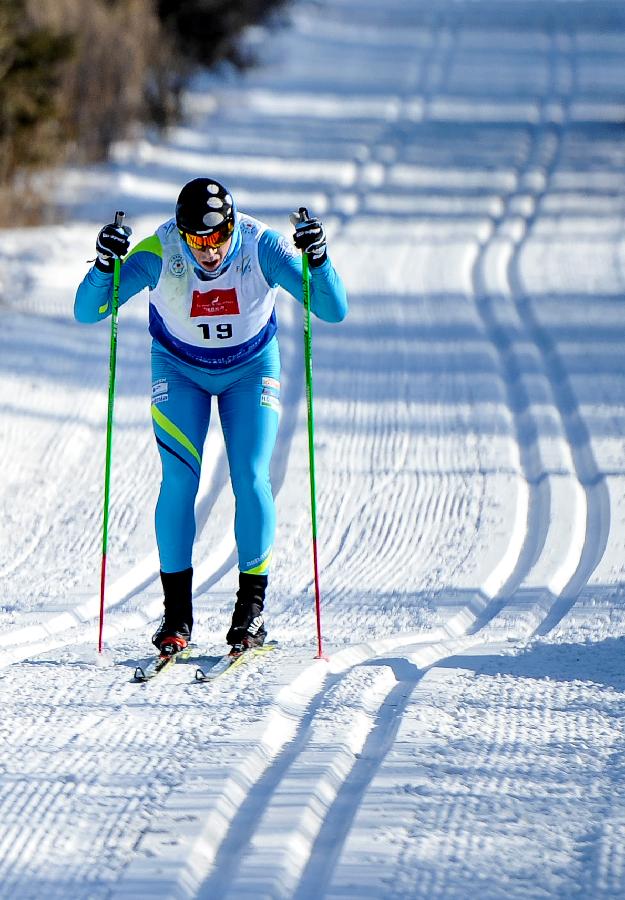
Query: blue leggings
point(248, 402)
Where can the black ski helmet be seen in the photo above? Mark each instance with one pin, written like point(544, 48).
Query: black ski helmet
point(204, 205)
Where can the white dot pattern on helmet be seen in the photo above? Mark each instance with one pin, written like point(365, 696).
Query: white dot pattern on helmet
point(212, 219)
point(219, 207)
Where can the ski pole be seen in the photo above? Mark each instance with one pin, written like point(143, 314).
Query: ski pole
point(119, 218)
point(303, 217)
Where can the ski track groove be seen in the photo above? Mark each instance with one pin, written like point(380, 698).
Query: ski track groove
point(545, 151)
point(589, 479)
point(250, 812)
point(337, 820)
point(340, 781)
point(423, 507)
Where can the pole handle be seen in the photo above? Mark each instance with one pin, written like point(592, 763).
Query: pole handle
point(299, 217)
point(119, 217)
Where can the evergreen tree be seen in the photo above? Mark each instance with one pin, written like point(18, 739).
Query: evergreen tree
point(32, 61)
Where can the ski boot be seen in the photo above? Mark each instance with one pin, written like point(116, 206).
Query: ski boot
point(174, 632)
point(248, 625)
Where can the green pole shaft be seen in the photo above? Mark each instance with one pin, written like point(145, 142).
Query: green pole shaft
point(119, 216)
point(311, 442)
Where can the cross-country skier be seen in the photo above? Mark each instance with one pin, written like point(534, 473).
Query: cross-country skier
point(213, 275)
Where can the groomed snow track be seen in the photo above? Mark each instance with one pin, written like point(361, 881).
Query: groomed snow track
point(463, 737)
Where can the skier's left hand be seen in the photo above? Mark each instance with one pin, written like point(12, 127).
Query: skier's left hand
point(310, 237)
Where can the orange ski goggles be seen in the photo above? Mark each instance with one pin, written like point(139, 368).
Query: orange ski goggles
point(216, 238)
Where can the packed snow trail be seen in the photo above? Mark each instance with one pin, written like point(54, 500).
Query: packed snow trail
point(465, 736)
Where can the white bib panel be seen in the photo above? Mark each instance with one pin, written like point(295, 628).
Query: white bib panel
point(217, 315)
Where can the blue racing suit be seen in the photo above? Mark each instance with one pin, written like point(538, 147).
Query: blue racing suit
point(214, 334)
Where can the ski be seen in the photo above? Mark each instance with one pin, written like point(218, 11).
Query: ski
point(232, 661)
point(161, 663)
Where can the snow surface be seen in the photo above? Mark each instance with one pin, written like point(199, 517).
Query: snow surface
point(465, 738)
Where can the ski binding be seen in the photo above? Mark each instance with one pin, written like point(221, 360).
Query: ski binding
point(232, 661)
point(161, 663)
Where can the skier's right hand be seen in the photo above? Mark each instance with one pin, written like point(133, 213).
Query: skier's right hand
point(112, 241)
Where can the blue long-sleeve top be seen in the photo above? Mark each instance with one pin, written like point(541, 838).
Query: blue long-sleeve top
point(142, 268)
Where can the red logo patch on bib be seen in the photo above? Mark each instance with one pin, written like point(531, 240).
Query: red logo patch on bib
point(215, 303)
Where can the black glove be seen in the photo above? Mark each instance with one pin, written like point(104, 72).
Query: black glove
point(112, 241)
point(310, 237)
